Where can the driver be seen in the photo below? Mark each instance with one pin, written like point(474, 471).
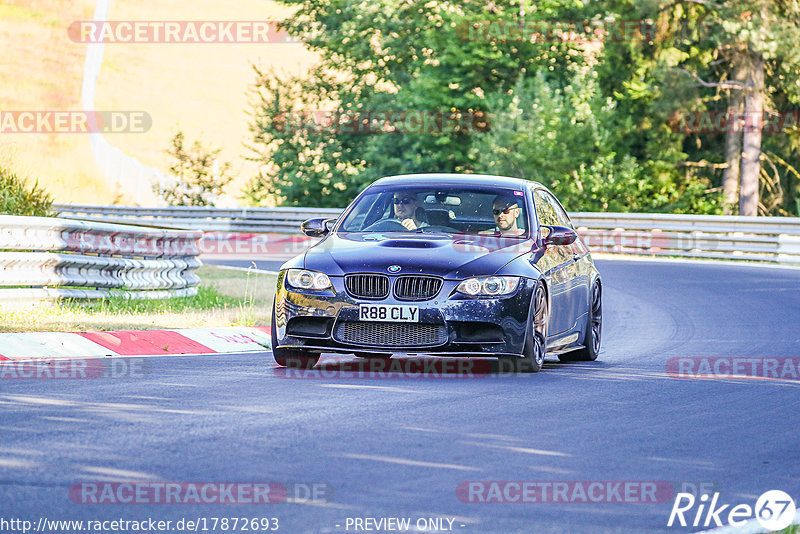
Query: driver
point(505, 211)
point(407, 211)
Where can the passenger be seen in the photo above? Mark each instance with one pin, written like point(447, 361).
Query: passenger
point(407, 210)
point(505, 211)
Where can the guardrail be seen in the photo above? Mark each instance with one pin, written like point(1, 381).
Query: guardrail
point(771, 239)
point(254, 220)
point(44, 257)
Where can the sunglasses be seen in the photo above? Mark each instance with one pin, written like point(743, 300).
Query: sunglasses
point(404, 201)
point(505, 211)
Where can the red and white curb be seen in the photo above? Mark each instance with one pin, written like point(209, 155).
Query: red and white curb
point(57, 345)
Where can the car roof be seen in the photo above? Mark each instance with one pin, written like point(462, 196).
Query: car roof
point(425, 179)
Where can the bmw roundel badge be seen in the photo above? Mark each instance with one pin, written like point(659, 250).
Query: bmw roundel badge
point(393, 268)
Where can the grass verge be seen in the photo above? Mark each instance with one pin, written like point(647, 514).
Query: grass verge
point(225, 297)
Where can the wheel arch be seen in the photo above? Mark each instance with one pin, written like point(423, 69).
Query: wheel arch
point(541, 280)
point(595, 279)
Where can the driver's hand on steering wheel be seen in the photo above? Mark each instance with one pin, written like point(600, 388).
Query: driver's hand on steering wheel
point(409, 224)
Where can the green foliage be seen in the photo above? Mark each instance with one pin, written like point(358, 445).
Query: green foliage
point(117, 302)
point(561, 138)
point(592, 121)
point(301, 159)
point(19, 198)
point(386, 56)
point(199, 176)
point(685, 68)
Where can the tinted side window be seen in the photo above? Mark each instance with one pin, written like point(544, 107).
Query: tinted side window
point(544, 209)
point(559, 211)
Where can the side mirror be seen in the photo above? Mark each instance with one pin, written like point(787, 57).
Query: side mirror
point(317, 227)
point(560, 235)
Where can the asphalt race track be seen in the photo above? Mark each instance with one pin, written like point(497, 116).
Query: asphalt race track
point(400, 446)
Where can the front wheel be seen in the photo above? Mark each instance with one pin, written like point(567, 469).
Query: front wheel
point(293, 358)
point(535, 349)
point(594, 330)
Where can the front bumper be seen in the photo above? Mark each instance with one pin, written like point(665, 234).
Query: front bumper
point(454, 324)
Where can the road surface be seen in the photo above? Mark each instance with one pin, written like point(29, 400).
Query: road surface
point(381, 447)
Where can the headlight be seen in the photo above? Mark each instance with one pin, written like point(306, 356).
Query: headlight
point(303, 279)
point(489, 285)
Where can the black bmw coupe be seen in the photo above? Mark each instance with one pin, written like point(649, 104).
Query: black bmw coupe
point(442, 264)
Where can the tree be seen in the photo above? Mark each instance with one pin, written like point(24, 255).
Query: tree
point(199, 175)
point(303, 158)
point(560, 137)
point(19, 198)
point(733, 142)
point(742, 51)
point(382, 56)
point(463, 58)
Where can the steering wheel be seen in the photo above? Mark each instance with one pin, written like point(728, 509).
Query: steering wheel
point(386, 225)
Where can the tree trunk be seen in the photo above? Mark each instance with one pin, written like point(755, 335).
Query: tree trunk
point(751, 138)
point(733, 141)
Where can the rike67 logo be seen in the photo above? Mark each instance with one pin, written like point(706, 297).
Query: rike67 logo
point(774, 510)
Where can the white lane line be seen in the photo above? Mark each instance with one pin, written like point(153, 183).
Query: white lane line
point(356, 386)
point(121, 473)
point(513, 448)
point(404, 461)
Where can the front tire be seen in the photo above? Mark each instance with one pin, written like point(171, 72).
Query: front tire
point(535, 349)
point(292, 358)
point(594, 330)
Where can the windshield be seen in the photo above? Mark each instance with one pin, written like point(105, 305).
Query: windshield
point(490, 211)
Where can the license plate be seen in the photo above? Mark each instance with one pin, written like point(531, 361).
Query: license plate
point(390, 313)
